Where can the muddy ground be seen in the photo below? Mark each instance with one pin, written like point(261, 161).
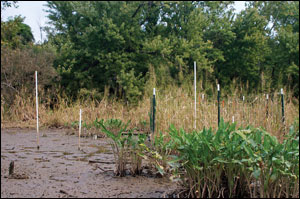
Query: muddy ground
point(59, 169)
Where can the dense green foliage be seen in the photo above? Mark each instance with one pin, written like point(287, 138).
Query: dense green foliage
point(126, 47)
point(232, 163)
point(16, 34)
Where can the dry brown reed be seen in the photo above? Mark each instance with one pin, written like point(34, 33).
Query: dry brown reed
point(174, 106)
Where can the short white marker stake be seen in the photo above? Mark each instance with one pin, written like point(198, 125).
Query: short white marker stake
point(37, 110)
point(232, 119)
point(79, 129)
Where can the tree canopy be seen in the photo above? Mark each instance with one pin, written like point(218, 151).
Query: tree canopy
point(128, 47)
point(15, 33)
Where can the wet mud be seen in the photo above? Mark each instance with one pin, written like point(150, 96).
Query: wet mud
point(59, 169)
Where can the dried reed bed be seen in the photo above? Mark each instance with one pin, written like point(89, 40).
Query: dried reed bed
point(174, 106)
point(178, 108)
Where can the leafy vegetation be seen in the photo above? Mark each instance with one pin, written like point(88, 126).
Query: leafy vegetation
point(98, 50)
point(230, 162)
point(124, 46)
point(233, 163)
point(126, 147)
point(124, 49)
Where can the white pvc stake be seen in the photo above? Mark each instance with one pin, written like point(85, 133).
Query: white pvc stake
point(232, 119)
point(202, 96)
point(153, 91)
point(37, 110)
point(267, 96)
point(243, 98)
point(79, 129)
point(281, 91)
point(195, 92)
point(218, 87)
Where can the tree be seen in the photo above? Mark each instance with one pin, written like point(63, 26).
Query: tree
point(246, 53)
point(96, 41)
point(7, 4)
point(120, 45)
point(14, 33)
point(283, 30)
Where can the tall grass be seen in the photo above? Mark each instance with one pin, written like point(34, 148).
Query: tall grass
point(174, 106)
point(177, 108)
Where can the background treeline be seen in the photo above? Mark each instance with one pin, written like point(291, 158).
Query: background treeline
point(124, 49)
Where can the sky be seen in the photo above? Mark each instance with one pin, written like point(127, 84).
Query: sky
point(36, 17)
point(33, 13)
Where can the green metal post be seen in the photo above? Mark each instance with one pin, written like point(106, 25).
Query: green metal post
point(154, 103)
point(267, 106)
point(282, 106)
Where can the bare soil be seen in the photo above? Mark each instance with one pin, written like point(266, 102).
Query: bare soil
point(59, 169)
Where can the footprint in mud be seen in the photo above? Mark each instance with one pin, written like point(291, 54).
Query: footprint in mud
point(58, 156)
point(9, 149)
point(28, 147)
point(67, 153)
point(12, 152)
point(58, 179)
point(21, 157)
point(41, 159)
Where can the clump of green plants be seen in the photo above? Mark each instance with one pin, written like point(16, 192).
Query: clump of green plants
point(85, 125)
point(125, 145)
point(158, 154)
point(136, 151)
point(114, 128)
point(234, 162)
